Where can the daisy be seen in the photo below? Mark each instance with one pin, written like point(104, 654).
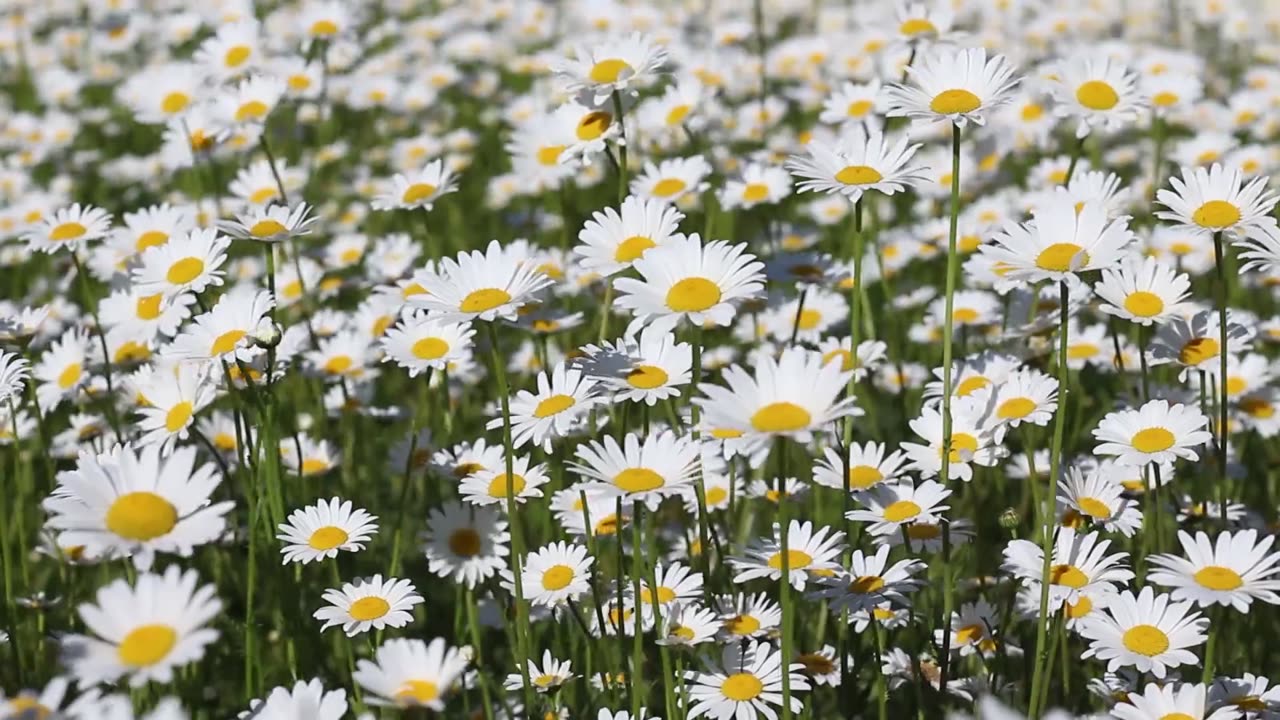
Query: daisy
point(1146, 293)
point(14, 374)
point(587, 129)
point(854, 103)
point(272, 223)
point(1098, 92)
point(748, 616)
point(1156, 432)
point(687, 626)
point(225, 332)
point(1218, 200)
point(1147, 632)
point(347, 354)
point(1234, 570)
point(1248, 693)
point(479, 286)
point(466, 544)
point(857, 162)
point(250, 101)
point(1094, 497)
point(1195, 343)
point(145, 630)
point(411, 673)
point(555, 574)
point(422, 342)
point(308, 457)
point(69, 227)
point(672, 179)
point(175, 393)
point(61, 371)
point(320, 531)
point(611, 65)
point(369, 605)
point(547, 678)
point(1027, 395)
point(562, 399)
point(973, 630)
point(1058, 241)
point(233, 51)
point(612, 240)
point(685, 278)
point(652, 367)
point(973, 442)
point(491, 487)
point(892, 505)
point(1079, 566)
point(190, 262)
point(129, 503)
point(1159, 701)
point(959, 86)
point(807, 552)
point(417, 190)
point(144, 315)
point(868, 466)
point(756, 185)
point(792, 396)
point(649, 470)
point(306, 699)
point(747, 680)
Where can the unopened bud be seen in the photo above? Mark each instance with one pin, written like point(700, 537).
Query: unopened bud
point(1009, 519)
point(267, 334)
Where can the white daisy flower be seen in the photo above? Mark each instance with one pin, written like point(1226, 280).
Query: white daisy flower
point(465, 543)
point(807, 552)
point(958, 86)
point(1148, 632)
point(1078, 566)
point(479, 285)
point(1149, 292)
point(892, 505)
point(321, 531)
point(746, 681)
point(1234, 569)
point(1218, 200)
point(371, 604)
point(408, 673)
point(68, 228)
point(1098, 92)
point(1156, 432)
point(611, 65)
point(857, 162)
point(554, 574)
point(305, 699)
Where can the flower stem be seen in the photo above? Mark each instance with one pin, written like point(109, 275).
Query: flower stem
point(1223, 430)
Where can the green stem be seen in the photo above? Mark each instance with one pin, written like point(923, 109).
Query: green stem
point(1224, 431)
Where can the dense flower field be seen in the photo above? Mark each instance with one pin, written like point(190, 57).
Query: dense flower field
point(598, 360)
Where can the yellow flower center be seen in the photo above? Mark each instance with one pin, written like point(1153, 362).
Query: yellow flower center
point(862, 477)
point(1032, 112)
point(796, 560)
point(1217, 577)
point(484, 300)
point(174, 102)
point(632, 248)
point(1079, 609)
point(237, 55)
point(430, 348)
point(742, 625)
point(148, 307)
point(1068, 575)
point(327, 538)
point(1197, 350)
point(553, 405)
point(147, 645)
point(866, 584)
point(1147, 640)
point(677, 114)
point(226, 342)
point(252, 110)
point(1059, 256)
point(647, 377)
point(1164, 99)
point(557, 577)
point(965, 315)
point(637, 480)
point(224, 441)
point(417, 692)
point(693, 294)
point(859, 108)
point(150, 238)
point(741, 687)
point(667, 187)
point(1258, 408)
point(963, 445)
point(970, 634)
point(900, 510)
point(1097, 95)
point(858, 175)
point(1015, 408)
point(716, 495)
point(1216, 214)
point(608, 71)
point(593, 125)
point(141, 516)
point(500, 486)
point(185, 270)
point(780, 417)
point(755, 192)
point(267, 227)
point(67, 231)
point(970, 385)
point(1152, 440)
point(178, 417)
point(417, 192)
point(549, 155)
point(917, 26)
point(1144, 304)
point(1094, 508)
point(369, 608)
point(464, 542)
point(312, 466)
point(950, 102)
point(338, 364)
point(324, 28)
point(262, 195)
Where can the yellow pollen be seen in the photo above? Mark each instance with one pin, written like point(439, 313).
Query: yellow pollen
point(417, 692)
point(741, 687)
point(755, 192)
point(866, 584)
point(969, 385)
point(1164, 99)
point(262, 195)
point(1077, 610)
point(1144, 304)
point(327, 538)
point(417, 192)
point(500, 487)
point(1147, 640)
point(67, 231)
point(716, 495)
point(185, 270)
point(1258, 408)
point(484, 300)
point(557, 577)
point(1015, 408)
point(430, 348)
point(1216, 214)
point(781, 417)
point(553, 405)
point(338, 364)
point(970, 634)
point(647, 377)
point(252, 110)
point(1097, 95)
point(693, 294)
point(593, 125)
point(147, 645)
point(141, 516)
point(1032, 112)
point(796, 560)
point(900, 510)
point(178, 417)
point(742, 625)
point(174, 102)
point(324, 28)
point(1058, 257)
point(859, 108)
point(726, 433)
point(148, 307)
point(1094, 507)
point(917, 26)
point(1217, 577)
point(236, 56)
point(549, 155)
point(299, 82)
point(963, 445)
point(1197, 350)
point(809, 319)
point(267, 227)
point(950, 102)
point(965, 315)
point(667, 187)
point(638, 480)
point(1152, 440)
point(609, 71)
point(858, 175)
point(862, 477)
point(632, 249)
point(1069, 576)
point(314, 466)
point(226, 342)
point(369, 608)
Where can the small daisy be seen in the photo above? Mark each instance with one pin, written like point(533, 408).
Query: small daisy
point(1027, 395)
point(868, 466)
point(973, 630)
point(661, 465)
point(652, 367)
point(411, 673)
point(555, 574)
point(226, 331)
point(687, 626)
point(1146, 293)
point(1148, 632)
point(138, 503)
point(1094, 497)
point(552, 412)
point(369, 605)
point(1248, 693)
point(250, 101)
point(320, 531)
point(612, 240)
point(62, 369)
point(175, 393)
point(672, 179)
point(1059, 240)
point(144, 630)
point(1194, 343)
point(69, 227)
point(422, 342)
point(492, 487)
point(273, 223)
point(1098, 92)
point(611, 65)
point(973, 442)
point(1079, 566)
point(807, 552)
point(479, 285)
point(859, 161)
point(1156, 432)
point(958, 86)
point(1172, 700)
point(1234, 570)
point(417, 190)
point(308, 457)
point(745, 682)
point(854, 103)
point(545, 678)
point(1218, 200)
point(686, 278)
point(892, 505)
point(757, 185)
point(466, 544)
point(747, 616)
point(305, 699)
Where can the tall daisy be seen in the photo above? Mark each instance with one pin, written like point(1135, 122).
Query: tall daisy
point(808, 551)
point(1097, 92)
point(466, 544)
point(1147, 292)
point(1148, 632)
point(371, 604)
point(611, 65)
point(1156, 432)
point(857, 162)
point(659, 466)
point(1218, 200)
point(1061, 239)
point(612, 240)
point(321, 531)
point(554, 410)
point(745, 682)
point(1235, 569)
point(959, 86)
point(479, 285)
point(409, 673)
